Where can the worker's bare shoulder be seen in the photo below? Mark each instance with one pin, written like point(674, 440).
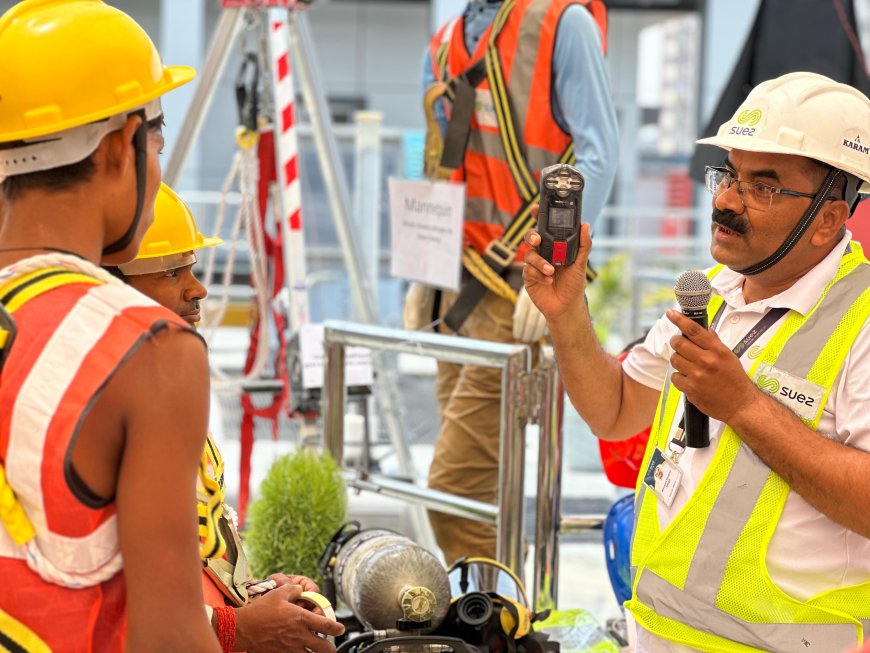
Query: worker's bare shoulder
point(168, 366)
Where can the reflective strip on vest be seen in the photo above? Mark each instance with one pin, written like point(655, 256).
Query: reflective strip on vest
point(101, 324)
point(726, 573)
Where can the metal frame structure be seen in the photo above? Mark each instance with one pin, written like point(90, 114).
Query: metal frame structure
point(527, 396)
point(227, 31)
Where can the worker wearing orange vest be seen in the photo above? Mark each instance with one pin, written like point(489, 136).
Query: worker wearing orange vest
point(536, 92)
point(104, 394)
point(242, 618)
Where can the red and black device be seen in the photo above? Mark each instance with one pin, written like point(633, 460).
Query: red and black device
point(559, 214)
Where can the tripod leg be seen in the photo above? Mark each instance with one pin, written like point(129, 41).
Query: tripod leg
point(228, 28)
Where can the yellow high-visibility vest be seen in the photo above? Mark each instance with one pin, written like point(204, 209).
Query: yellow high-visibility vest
point(702, 581)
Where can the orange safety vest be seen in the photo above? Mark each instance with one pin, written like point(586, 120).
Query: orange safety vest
point(71, 339)
point(492, 195)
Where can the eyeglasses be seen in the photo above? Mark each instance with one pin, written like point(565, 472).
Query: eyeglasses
point(753, 194)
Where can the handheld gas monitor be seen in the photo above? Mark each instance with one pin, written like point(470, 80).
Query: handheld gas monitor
point(559, 214)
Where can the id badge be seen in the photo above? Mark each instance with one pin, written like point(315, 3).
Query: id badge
point(663, 477)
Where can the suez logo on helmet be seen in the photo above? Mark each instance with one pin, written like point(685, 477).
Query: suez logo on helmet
point(748, 118)
point(801, 396)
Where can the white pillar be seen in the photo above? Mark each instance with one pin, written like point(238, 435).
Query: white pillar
point(182, 42)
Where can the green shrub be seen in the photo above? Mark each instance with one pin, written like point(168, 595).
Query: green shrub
point(302, 502)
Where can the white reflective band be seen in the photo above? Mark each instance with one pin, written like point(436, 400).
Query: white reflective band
point(65, 147)
point(157, 264)
point(321, 602)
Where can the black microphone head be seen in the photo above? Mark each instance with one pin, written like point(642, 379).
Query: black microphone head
point(693, 290)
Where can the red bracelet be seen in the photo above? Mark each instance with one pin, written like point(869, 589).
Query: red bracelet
point(226, 627)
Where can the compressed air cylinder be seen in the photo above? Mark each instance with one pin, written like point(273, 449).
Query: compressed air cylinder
point(384, 577)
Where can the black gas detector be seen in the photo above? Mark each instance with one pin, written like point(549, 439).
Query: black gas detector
point(559, 215)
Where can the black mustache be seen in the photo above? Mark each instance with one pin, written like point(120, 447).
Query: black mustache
point(731, 221)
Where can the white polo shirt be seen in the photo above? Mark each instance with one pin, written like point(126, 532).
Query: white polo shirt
point(808, 553)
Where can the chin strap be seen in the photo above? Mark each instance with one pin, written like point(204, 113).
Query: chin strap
point(799, 229)
point(140, 142)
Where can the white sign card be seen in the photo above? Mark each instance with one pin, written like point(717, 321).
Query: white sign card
point(357, 360)
point(426, 226)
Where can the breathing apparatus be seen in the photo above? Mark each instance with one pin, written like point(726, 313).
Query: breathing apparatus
point(490, 609)
point(386, 579)
point(808, 115)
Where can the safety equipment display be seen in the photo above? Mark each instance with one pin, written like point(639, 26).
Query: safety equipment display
point(530, 325)
point(171, 239)
point(58, 84)
point(386, 579)
point(804, 114)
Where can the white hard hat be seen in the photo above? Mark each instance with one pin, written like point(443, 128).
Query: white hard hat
point(805, 114)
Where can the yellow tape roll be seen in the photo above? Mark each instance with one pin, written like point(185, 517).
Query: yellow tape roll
point(321, 602)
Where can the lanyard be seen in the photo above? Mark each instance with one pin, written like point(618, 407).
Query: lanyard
point(676, 446)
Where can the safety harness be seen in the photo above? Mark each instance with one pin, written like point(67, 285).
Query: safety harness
point(488, 270)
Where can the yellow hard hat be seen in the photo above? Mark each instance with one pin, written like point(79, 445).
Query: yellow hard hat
point(171, 239)
point(67, 67)
point(72, 62)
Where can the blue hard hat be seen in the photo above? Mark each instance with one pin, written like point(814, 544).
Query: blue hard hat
point(617, 546)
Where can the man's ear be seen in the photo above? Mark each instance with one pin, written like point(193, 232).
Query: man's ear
point(829, 222)
point(117, 149)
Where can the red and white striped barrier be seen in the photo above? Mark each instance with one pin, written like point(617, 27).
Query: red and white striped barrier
point(287, 152)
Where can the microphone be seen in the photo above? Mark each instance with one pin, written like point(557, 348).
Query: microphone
point(693, 293)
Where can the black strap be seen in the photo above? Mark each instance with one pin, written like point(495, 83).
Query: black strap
point(800, 228)
point(459, 127)
point(8, 332)
point(140, 143)
point(471, 293)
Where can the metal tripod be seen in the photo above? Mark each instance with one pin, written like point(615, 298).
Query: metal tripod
point(228, 29)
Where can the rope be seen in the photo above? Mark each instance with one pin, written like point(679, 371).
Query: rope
point(245, 168)
point(481, 271)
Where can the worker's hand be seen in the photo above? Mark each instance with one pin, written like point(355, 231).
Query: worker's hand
point(530, 325)
point(556, 291)
point(304, 582)
point(703, 366)
point(274, 624)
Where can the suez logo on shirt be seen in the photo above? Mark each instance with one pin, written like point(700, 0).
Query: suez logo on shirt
point(746, 121)
point(801, 396)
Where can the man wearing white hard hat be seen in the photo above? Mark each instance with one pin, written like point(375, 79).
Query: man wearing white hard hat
point(762, 541)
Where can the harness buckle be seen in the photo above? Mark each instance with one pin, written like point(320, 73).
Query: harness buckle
point(499, 253)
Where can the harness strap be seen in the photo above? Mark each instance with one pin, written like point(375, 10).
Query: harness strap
point(500, 252)
point(15, 637)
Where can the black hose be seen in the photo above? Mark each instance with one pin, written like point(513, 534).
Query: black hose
point(353, 641)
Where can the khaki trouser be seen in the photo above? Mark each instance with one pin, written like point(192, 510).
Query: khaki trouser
point(465, 461)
